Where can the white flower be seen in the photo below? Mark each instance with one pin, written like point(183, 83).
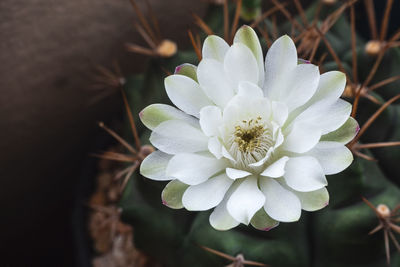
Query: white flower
point(252, 141)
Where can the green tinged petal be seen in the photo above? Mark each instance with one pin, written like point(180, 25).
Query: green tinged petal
point(188, 70)
point(262, 221)
point(344, 134)
point(172, 194)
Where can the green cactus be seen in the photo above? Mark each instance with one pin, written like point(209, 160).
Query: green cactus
point(334, 236)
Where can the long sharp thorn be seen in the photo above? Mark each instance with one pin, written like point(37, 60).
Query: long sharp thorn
point(368, 123)
point(226, 21)
point(254, 263)
point(301, 11)
point(377, 145)
point(361, 155)
point(369, 6)
point(118, 138)
point(385, 21)
point(140, 49)
point(384, 82)
point(376, 229)
point(395, 227)
point(200, 22)
point(154, 21)
point(315, 48)
point(353, 44)
point(128, 175)
point(195, 47)
point(286, 13)
point(145, 36)
point(143, 21)
point(265, 15)
point(216, 252)
point(265, 35)
point(235, 20)
point(396, 244)
point(131, 121)
point(387, 248)
point(370, 205)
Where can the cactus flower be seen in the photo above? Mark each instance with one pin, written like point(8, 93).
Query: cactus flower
point(252, 140)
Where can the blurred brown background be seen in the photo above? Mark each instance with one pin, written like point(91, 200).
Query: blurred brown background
point(47, 118)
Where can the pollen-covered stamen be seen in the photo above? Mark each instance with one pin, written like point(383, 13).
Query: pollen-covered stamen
point(250, 141)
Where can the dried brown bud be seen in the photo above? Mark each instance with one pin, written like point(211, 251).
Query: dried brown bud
point(329, 2)
point(373, 47)
point(167, 48)
point(383, 210)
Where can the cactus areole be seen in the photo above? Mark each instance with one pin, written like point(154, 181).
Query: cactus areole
point(249, 138)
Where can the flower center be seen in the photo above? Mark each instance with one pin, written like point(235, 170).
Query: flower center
point(250, 141)
point(248, 138)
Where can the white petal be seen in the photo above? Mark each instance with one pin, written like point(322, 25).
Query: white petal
point(213, 81)
point(186, 94)
point(240, 65)
point(210, 120)
point(302, 138)
point(303, 82)
point(280, 61)
point(314, 200)
point(304, 174)
point(206, 195)
point(214, 47)
point(220, 218)
point(276, 169)
point(247, 36)
point(250, 90)
point(279, 112)
point(176, 136)
point(236, 174)
point(245, 201)
point(172, 194)
point(154, 166)
point(326, 117)
point(215, 147)
point(155, 114)
point(281, 204)
point(262, 221)
point(330, 88)
point(344, 134)
point(194, 169)
point(333, 157)
point(187, 70)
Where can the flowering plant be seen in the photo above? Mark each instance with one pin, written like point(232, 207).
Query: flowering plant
point(254, 141)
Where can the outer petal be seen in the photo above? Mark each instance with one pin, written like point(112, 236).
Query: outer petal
point(280, 61)
point(262, 221)
point(276, 169)
point(187, 70)
point(302, 137)
point(281, 204)
point(210, 120)
point(240, 65)
point(332, 156)
point(172, 194)
point(155, 114)
point(304, 174)
point(220, 218)
point(330, 88)
point(186, 94)
point(206, 195)
point(326, 117)
point(247, 36)
point(176, 136)
point(213, 81)
point(314, 200)
point(214, 47)
point(194, 169)
point(245, 201)
point(155, 165)
point(344, 134)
